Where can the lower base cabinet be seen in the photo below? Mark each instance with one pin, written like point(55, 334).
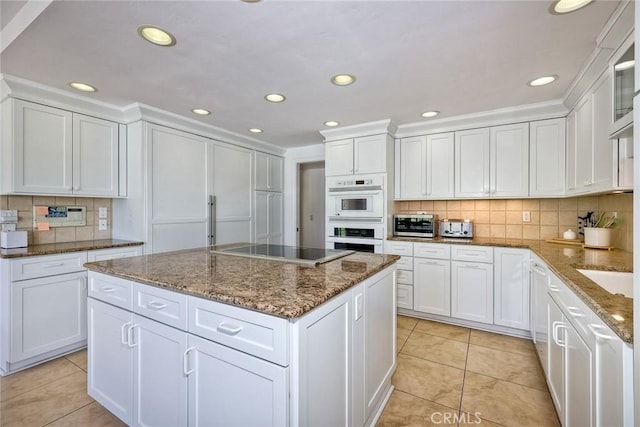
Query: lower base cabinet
point(472, 291)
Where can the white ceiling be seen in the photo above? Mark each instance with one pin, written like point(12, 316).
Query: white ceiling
point(457, 57)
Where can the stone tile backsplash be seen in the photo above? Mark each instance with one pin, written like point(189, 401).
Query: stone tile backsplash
point(549, 217)
point(24, 205)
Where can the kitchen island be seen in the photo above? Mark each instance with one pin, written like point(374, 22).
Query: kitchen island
point(197, 338)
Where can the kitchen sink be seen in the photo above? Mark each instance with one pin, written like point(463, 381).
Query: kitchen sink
point(614, 282)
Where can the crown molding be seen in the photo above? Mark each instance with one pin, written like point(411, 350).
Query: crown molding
point(362, 129)
point(521, 113)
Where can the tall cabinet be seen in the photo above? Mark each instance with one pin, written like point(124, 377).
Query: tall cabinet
point(269, 201)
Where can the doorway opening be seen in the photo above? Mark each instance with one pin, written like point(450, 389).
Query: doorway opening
point(311, 205)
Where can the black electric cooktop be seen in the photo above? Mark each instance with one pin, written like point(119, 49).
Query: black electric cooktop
point(307, 256)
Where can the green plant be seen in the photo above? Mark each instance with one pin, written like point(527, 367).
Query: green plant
point(603, 220)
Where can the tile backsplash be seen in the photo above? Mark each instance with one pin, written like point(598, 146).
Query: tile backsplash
point(549, 217)
point(24, 205)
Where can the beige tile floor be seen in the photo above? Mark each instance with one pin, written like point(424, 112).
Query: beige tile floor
point(449, 375)
point(443, 371)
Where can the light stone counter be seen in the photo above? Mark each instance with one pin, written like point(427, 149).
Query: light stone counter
point(272, 287)
point(60, 248)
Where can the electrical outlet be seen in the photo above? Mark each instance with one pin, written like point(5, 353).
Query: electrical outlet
point(614, 214)
point(102, 212)
point(102, 225)
point(526, 216)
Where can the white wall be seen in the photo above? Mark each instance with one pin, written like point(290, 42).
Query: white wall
point(293, 157)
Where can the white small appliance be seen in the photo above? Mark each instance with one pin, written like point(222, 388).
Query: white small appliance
point(10, 237)
point(355, 198)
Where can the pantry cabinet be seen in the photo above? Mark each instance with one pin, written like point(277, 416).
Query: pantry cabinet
point(268, 218)
point(362, 155)
point(547, 149)
point(55, 151)
point(268, 172)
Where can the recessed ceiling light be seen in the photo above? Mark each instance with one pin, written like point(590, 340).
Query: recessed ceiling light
point(566, 6)
point(343, 79)
point(82, 87)
point(156, 35)
point(201, 111)
point(251, 1)
point(624, 65)
point(274, 97)
point(428, 114)
point(255, 130)
point(541, 81)
point(331, 124)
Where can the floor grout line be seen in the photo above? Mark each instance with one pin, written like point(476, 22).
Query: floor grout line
point(41, 385)
point(65, 415)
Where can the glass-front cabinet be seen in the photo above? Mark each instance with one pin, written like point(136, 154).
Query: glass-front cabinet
point(623, 69)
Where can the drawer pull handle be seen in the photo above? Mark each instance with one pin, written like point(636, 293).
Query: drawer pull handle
point(108, 290)
point(228, 330)
point(554, 288)
point(155, 305)
point(53, 265)
point(597, 334)
point(556, 326)
point(574, 311)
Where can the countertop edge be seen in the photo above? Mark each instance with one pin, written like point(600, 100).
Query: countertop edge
point(66, 247)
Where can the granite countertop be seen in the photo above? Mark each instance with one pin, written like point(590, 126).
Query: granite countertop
point(278, 288)
point(59, 248)
point(564, 260)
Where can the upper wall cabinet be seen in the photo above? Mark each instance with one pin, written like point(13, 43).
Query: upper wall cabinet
point(426, 165)
point(492, 162)
point(52, 151)
point(547, 141)
point(622, 68)
point(268, 172)
point(363, 155)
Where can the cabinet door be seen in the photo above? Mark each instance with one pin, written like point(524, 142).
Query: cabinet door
point(47, 314)
point(440, 165)
point(262, 171)
point(178, 172)
point(370, 154)
point(404, 296)
point(338, 157)
point(584, 145)
point(510, 160)
point(230, 388)
point(110, 359)
point(555, 365)
point(276, 206)
point(95, 156)
point(276, 173)
point(472, 291)
point(472, 163)
point(511, 288)
point(413, 167)
point(603, 147)
point(432, 286)
point(572, 156)
point(160, 382)
point(547, 148)
point(42, 149)
point(578, 381)
point(261, 217)
point(609, 377)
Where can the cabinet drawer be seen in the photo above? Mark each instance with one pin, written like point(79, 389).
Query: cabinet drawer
point(48, 265)
point(432, 250)
point(398, 248)
point(472, 253)
point(405, 263)
point(168, 307)
point(404, 297)
point(112, 290)
point(405, 277)
point(572, 306)
point(105, 254)
point(260, 335)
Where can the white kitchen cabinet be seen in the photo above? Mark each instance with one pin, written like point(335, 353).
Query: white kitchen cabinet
point(59, 152)
point(603, 148)
point(268, 217)
point(511, 288)
point(159, 385)
point(547, 152)
point(404, 297)
point(472, 163)
point(579, 410)
point(432, 286)
point(555, 365)
point(179, 214)
point(472, 291)
point(245, 390)
point(110, 359)
point(268, 172)
point(362, 155)
point(231, 186)
point(427, 167)
point(47, 313)
point(572, 155)
point(509, 163)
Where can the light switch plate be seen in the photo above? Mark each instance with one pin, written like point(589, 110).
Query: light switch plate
point(526, 216)
point(102, 224)
point(102, 212)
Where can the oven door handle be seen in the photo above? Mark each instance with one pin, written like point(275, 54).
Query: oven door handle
point(355, 193)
